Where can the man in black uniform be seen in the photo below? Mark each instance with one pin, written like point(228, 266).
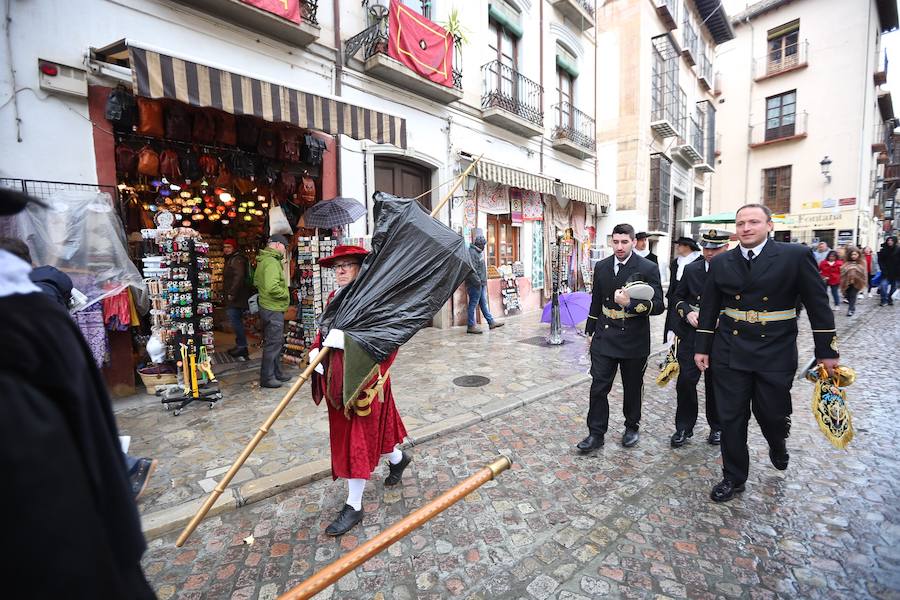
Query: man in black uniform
point(620, 330)
point(641, 249)
point(752, 292)
point(686, 252)
point(686, 308)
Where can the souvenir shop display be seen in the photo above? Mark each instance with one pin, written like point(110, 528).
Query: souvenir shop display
point(509, 289)
point(295, 349)
point(314, 284)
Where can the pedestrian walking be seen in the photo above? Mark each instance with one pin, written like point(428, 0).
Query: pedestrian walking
point(830, 271)
point(619, 327)
point(359, 437)
point(274, 299)
point(686, 252)
point(889, 261)
point(821, 252)
point(67, 504)
point(238, 289)
point(641, 249)
point(871, 268)
point(476, 286)
point(854, 277)
point(749, 308)
point(687, 309)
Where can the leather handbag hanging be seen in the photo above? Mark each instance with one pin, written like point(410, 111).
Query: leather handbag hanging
point(268, 143)
point(313, 150)
point(148, 162)
point(178, 122)
point(168, 165)
point(287, 184)
point(121, 109)
point(150, 118)
point(224, 178)
point(307, 192)
point(190, 165)
point(247, 133)
point(204, 127)
point(289, 144)
point(126, 160)
point(209, 165)
point(226, 130)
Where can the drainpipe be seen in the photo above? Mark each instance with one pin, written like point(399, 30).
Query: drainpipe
point(749, 114)
point(338, 49)
point(541, 39)
point(867, 83)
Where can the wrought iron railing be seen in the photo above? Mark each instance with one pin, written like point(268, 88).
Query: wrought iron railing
point(671, 5)
point(783, 58)
point(308, 10)
point(572, 124)
point(706, 69)
point(374, 40)
point(689, 37)
point(696, 137)
point(777, 129)
point(588, 6)
point(506, 88)
point(668, 106)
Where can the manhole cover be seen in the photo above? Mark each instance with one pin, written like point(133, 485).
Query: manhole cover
point(471, 381)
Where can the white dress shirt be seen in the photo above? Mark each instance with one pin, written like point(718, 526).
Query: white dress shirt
point(756, 250)
point(620, 263)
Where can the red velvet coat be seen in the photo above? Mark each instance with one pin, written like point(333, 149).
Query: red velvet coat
point(357, 443)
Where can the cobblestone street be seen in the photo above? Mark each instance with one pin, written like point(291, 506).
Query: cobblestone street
point(632, 523)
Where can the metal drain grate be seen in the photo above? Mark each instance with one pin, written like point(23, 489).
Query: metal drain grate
point(471, 381)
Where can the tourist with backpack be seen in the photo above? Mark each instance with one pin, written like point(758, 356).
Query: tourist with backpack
point(238, 289)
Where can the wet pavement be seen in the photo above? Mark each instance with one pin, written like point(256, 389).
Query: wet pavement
point(630, 523)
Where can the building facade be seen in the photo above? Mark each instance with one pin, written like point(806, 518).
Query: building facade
point(523, 97)
point(657, 116)
point(804, 121)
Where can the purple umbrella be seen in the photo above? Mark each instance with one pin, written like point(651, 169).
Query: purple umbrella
point(333, 213)
point(573, 308)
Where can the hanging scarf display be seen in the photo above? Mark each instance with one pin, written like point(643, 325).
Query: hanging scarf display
point(532, 207)
point(493, 198)
point(537, 257)
point(515, 207)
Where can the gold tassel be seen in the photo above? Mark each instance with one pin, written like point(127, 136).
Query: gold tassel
point(829, 406)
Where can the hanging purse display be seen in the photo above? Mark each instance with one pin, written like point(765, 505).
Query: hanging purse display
point(268, 143)
point(313, 150)
point(226, 130)
point(148, 162)
point(190, 165)
point(289, 144)
point(126, 160)
point(307, 192)
point(168, 165)
point(209, 165)
point(178, 122)
point(247, 133)
point(121, 110)
point(224, 178)
point(278, 223)
point(150, 117)
point(204, 127)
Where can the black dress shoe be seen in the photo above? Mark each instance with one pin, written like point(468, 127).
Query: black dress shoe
point(345, 521)
point(282, 377)
point(680, 438)
point(630, 438)
point(779, 457)
point(270, 383)
point(715, 437)
point(591, 442)
point(725, 491)
point(396, 471)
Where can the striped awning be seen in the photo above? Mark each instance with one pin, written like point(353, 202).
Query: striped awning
point(156, 75)
point(498, 173)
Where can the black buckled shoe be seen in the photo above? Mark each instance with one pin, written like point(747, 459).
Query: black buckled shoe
point(591, 442)
point(715, 437)
point(630, 438)
point(725, 490)
point(282, 377)
point(680, 438)
point(396, 471)
point(140, 474)
point(779, 457)
point(345, 521)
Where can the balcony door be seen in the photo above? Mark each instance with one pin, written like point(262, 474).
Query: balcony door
point(781, 113)
point(403, 179)
point(504, 50)
point(565, 84)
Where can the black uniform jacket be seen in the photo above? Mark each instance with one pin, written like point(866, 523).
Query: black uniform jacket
point(687, 299)
point(628, 337)
point(780, 274)
point(672, 317)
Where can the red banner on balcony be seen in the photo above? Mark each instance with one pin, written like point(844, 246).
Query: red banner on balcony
point(286, 9)
point(421, 45)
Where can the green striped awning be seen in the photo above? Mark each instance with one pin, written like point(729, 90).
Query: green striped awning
point(156, 75)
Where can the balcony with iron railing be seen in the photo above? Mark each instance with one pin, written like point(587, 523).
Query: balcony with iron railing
point(690, 145)
point(881, 71)
point(573, 131)
point(667, 10)
point(579, 12)
point(784, 129)
point(511, 100)
point(270, 23)
point(711, 142)
point(881, 136)
point(667, 109)
point(690, 43)
point(791, 57)
point(373, 44)
point(705, 73)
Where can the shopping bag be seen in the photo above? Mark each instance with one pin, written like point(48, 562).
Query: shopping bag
point(278, 223)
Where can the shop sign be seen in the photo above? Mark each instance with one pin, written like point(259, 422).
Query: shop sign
point(847, 201)
point(845, 236)
point(820, 220)
point(286, 9)
point(828, 203)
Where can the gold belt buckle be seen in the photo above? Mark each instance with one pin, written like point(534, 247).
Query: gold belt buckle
point(752, 316)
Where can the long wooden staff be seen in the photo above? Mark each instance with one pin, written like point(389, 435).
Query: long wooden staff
point(322, 579)
point(264, 428)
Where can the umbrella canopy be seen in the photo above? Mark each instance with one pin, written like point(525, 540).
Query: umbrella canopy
point(573, 308)
point(720, 217)
point(334, 213)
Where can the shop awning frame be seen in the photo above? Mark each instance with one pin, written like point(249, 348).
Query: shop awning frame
point(495, 172)
point(159, 75)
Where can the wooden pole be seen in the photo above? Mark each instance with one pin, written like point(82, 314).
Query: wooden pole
point(260, 433)
point(459, 182)
point(322, 579)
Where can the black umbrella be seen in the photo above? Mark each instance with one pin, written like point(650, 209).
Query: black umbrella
point(334, 213)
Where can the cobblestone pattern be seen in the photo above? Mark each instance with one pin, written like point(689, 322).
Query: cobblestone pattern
point(629, 523)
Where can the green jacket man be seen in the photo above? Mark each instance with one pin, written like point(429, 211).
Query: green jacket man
point(274, 299)
point(269, 280)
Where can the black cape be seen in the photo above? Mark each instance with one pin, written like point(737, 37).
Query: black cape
point(71, 525)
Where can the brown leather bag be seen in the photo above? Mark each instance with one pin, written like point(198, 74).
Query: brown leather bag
point(150, 118)
point(307, 192)
point(287, 184)
point(224, 179)
point(204, 129)
point(226, 131)
point(289, 144)
point(268, 143)
point(243, 185)
point(126, 160)
point(169, 165)
point(148, 162)
point(178, 122)
point(209, 165)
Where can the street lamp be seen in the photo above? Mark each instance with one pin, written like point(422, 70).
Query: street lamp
point(825, 163)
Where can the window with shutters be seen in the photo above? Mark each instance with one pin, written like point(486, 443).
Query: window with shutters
point(776, 192)
point(660, 192)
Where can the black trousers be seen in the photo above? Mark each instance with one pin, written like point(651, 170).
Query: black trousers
point(603, 372)
point(686, 391)
point(768, 393)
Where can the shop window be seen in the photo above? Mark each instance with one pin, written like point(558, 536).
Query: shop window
point(502, 241)
point(781, 113)
point(777, 189)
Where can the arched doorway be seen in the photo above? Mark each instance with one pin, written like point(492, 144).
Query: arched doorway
point(403, 178)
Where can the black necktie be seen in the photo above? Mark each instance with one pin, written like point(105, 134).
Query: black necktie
point(750, 256)
point(619, 265)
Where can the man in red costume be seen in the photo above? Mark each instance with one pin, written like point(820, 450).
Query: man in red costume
point(368, 429)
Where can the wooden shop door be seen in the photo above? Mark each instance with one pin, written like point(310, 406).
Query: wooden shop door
point(403, 179)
